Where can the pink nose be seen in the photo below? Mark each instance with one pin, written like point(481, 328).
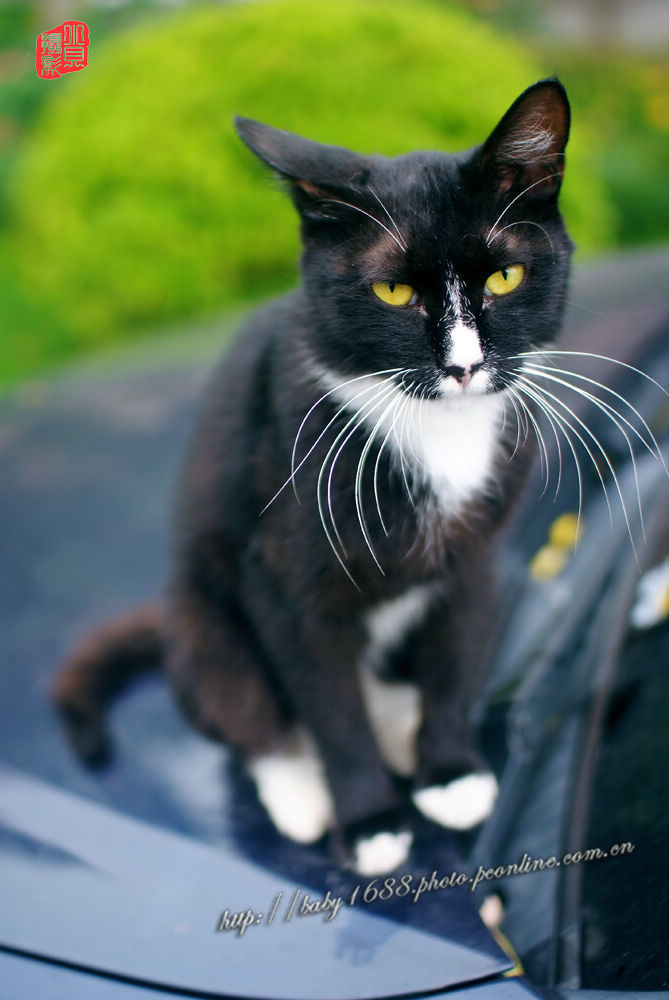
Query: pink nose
point(462, 376)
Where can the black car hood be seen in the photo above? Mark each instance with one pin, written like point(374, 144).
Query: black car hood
point(95, 889)
point(128, 871)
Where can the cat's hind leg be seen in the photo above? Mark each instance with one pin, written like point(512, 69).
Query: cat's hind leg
point(292, 786)
point(226, 688)
point(317, 656)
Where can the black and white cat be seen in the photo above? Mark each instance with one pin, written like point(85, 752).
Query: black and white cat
point(359, 448)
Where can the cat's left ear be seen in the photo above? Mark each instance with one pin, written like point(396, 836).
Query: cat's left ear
point(526, 150)
point(315, 172)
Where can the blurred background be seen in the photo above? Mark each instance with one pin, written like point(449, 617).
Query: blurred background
point(129, 210)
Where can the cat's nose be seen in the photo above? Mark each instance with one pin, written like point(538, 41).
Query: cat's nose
point(463, 375)
point(463, 354)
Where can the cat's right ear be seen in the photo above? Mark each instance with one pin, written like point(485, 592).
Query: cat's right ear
point(318, 175)
point(526, 150)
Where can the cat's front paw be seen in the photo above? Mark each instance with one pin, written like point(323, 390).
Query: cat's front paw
point(291, 785)
point(381, 853)
point(459, 804)
point(376, 845)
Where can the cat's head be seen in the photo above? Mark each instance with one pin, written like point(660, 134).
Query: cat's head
point(446, 267)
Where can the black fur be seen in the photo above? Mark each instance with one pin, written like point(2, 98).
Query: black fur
point(264, 623)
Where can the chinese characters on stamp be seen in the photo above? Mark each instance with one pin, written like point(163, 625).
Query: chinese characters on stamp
point(63, 49)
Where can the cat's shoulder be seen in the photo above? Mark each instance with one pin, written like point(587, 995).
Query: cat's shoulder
point(249, 358)
point(274, 320)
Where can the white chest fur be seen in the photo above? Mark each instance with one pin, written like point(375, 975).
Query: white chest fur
point(451, 443)
point(448, 443)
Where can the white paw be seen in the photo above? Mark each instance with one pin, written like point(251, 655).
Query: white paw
point(292, 787)
point(382, 852)
point(460, 804)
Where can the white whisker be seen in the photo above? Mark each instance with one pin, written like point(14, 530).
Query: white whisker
point(356, 208)
point(403, 413)
point(359, 476)
point(653, 448)
point(421, 423)
point(562, 377)
point(522, 425)
point(347, 432)
point(511, 397)
point(523, 222)
point(560, 422)
point(396, 403)
point(543, 451)
point(392, 221)
point(399, 417)
point(599, 357)
point(616, 418)
point(545, 393)
point(513, 202)
point(415, 424)
point(295, 469)
point(555, 429)
point(504, 416)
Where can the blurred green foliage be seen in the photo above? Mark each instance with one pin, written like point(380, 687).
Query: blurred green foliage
point(21, 90)
point(135, 202)
point(622, 102)
point(127, 200)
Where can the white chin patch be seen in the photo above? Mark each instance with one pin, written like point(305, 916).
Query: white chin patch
point(381, 853)
point(292, 787)
point(460, 804)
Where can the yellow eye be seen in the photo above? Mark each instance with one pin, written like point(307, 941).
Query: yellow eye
point(392, 293)
point(504, 281)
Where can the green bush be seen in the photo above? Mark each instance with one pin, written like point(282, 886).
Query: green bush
point(134, 202)
point(623, 104)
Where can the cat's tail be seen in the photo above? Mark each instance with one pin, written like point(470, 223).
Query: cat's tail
point(98, 670)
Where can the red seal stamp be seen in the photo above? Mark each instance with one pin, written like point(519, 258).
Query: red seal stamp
point(62, 50)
